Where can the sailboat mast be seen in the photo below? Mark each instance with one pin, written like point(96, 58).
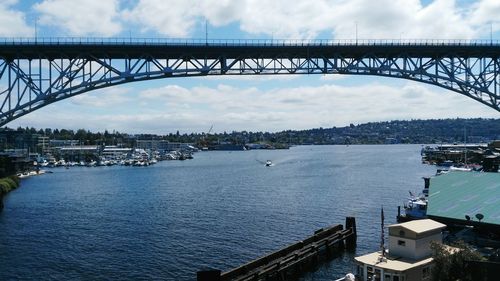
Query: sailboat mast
point(465, 146)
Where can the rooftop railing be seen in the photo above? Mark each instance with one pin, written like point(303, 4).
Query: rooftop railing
point(242, 42)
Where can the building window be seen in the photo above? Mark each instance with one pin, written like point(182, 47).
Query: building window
point(387, 277)
point(369, 273)
point(402, 233)
point(378, 275)
point(401, 243)
point(395, 278)
point(426, 273)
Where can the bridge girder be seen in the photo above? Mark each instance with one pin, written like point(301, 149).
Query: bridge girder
point(31, 80)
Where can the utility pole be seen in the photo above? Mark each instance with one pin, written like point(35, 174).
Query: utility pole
point(36, 30)
point(206, 32)
point(356, 32)
point(491, 33)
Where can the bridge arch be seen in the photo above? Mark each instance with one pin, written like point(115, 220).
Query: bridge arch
point(36, 74)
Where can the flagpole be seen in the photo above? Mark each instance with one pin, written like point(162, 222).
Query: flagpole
point(382, 246)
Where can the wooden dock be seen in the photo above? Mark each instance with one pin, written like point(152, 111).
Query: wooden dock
point(292, 259)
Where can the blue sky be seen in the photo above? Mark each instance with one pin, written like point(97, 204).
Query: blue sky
point(255, 103)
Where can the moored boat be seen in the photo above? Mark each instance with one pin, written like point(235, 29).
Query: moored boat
point(416, 206)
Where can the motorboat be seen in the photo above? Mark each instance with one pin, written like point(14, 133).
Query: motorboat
point(447, 163)
point(416, 206)
point(269, 163)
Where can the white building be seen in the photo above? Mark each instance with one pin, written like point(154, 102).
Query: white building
point(116, 153)
point(163, 145)
point(77, 151)
point(409, 256)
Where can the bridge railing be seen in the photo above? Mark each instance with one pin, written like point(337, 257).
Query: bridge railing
point(241, 42)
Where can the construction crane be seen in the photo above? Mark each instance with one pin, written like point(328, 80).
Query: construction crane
point(203, 141)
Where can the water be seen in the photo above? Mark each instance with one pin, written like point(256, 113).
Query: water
point(219, 210)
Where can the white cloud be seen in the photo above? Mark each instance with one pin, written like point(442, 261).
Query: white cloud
point(258, 78)
point(170, 108)
point(114, 96)
point(12, 22)
point(302, 19)
point(235, 108)
point(484, 15)
point(383, 19)
point(332, 77)
point(166, 17)
point(81, 17)
point(220, 12)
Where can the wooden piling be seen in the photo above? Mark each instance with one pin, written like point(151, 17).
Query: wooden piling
point(350, 222)
point(208, 275)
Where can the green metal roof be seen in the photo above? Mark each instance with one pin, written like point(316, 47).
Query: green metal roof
point(456, 194)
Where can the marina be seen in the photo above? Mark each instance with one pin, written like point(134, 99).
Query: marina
point(463, 157)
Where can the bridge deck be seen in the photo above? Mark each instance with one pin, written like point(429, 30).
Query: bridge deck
point(238, 49)
point(41, 71)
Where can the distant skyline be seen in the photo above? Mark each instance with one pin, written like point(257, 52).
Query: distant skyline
point(252, 103)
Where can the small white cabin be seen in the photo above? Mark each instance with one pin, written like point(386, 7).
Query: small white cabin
point(409, 256)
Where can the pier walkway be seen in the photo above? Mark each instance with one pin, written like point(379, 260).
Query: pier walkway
point(292, 259)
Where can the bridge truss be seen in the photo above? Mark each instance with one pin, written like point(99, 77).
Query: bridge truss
point(35, 75)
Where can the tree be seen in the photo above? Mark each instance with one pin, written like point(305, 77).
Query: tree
point(7, 167)
point(450, 263)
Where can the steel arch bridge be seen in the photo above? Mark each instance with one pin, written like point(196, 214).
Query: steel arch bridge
point(37, 72)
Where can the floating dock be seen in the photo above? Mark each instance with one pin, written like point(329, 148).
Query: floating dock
point(292, 259)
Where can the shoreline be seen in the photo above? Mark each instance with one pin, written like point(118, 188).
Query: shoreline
point(7, 184)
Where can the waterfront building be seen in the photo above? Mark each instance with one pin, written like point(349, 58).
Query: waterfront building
point(391, 141)
point(63, 143)
point(162, 145)
point(409, 255)
point(460, 153)
point(466, 198)
point(18, 157)
point(43, 145)
point(79, 152)
point(116, 153)
point(495, 144)
point(16, 152)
